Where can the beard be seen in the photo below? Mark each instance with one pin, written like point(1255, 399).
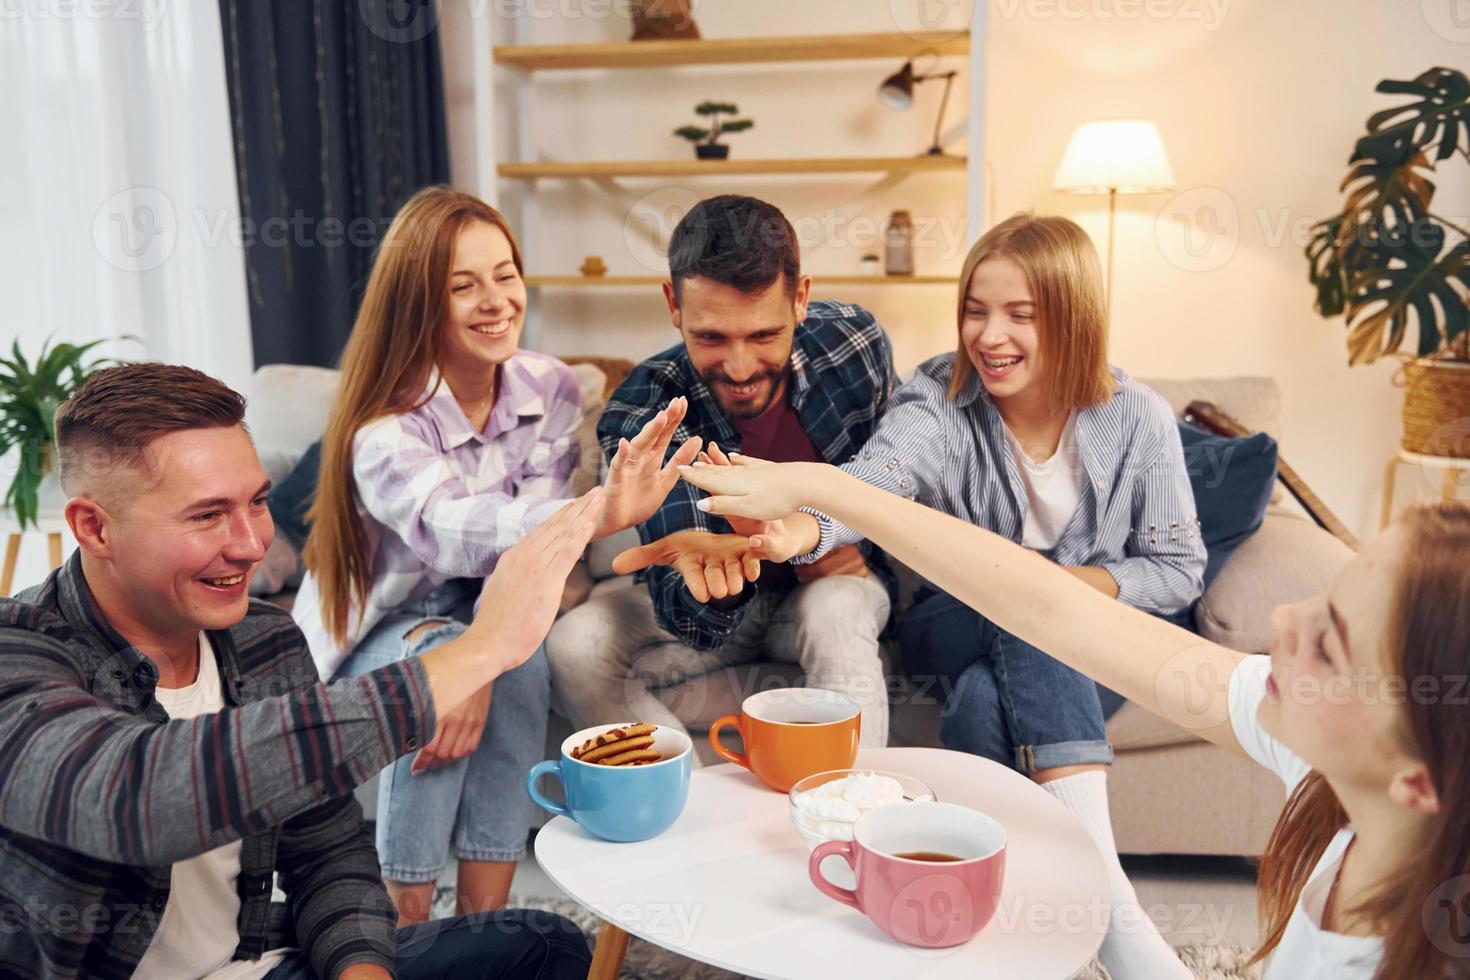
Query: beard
point(772, 378)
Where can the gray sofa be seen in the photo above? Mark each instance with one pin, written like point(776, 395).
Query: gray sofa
point(1170, 792)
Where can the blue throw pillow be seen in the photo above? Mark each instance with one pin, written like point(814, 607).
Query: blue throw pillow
point(1232, 480)
point(290, 499)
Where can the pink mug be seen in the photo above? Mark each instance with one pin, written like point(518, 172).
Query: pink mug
point(928, 874)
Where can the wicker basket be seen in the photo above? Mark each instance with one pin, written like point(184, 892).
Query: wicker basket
point(1436, 405)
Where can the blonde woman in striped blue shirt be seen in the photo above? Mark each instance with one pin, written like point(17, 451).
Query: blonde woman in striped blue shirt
point(1028, 432)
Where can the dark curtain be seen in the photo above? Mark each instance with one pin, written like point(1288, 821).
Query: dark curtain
point(337, 108)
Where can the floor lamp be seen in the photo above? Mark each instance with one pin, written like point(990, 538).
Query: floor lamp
point(1112, 157)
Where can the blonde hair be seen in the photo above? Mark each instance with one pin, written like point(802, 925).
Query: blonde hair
point(1062, 269)
point(396, 342)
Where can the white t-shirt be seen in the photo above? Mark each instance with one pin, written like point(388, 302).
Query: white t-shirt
point(199, 931)
point(1306, 949)
point(1054, 488)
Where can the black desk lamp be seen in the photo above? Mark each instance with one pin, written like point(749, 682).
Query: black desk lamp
point(897, 93)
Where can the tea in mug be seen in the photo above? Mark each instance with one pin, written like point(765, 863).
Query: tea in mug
point(936, 856)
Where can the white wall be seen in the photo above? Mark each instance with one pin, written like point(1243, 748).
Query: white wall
point(1258, 110)
point(1258, 102)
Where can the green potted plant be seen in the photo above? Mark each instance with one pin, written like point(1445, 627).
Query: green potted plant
point(30, 394)
point(706, 140)
point(1389, 262)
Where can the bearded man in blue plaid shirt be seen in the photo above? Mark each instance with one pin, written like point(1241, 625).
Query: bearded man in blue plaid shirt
point(773, 375)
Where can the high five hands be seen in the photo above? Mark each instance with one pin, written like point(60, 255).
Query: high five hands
point(638, 479)
point(717, 566)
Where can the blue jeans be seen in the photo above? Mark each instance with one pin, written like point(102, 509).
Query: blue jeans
point(478, 805)
point(1003, 698)
point(523, 944)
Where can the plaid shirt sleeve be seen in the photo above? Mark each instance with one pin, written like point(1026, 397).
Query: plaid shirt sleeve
point(67, 757)
point(702, 626)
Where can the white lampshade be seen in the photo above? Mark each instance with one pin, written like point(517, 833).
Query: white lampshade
point(1125, 155)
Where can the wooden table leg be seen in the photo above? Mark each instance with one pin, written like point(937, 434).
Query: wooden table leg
point(1388, 481)
point(607, 958)
point(54, 540)
point(7, 574)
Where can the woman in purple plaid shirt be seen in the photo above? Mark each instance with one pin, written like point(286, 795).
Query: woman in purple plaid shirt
point(445, 446)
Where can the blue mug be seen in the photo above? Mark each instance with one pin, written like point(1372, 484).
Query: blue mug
point(619, 803)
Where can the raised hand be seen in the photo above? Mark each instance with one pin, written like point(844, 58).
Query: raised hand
point(638, 480)
point(712, 565)
point(714, 456)
point(753, 488)
point(777, 541)
point(794, 536)
point(520, 598)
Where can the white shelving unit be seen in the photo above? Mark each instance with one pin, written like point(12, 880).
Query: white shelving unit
point(509, 63)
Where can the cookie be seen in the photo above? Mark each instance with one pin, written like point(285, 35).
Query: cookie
point(612, 735)
point(633, 757)
point(616, 748)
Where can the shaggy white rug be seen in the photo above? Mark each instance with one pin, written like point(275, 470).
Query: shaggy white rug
point(646, 961)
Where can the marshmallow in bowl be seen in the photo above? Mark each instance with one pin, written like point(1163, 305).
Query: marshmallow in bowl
point(831, 809)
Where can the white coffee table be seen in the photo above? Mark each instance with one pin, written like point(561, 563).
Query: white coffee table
point(727, 883)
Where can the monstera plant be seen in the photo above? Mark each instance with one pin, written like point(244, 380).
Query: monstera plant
point(30, 394)
point(1389, 261)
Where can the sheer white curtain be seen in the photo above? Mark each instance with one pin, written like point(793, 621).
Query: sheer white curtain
point(118, 203)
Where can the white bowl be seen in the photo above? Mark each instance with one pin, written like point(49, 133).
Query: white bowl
point(815, 829)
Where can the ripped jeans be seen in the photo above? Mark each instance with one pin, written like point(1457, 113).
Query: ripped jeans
point(476, 806)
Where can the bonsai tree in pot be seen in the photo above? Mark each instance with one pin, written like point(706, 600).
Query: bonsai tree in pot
point(1388, 261)
point(706, 140)
point(30, 394)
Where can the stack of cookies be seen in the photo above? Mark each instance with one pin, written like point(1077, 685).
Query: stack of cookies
point(627, 745)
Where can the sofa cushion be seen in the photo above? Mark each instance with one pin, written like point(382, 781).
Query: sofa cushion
point(291, 498)
point(1232, 480)
point(1133, 728)
point(281, 567)
point(1253, 401)
point(1289, 559)
point(594, 395)
point(288, 406)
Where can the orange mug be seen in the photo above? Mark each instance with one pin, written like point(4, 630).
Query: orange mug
point(792, 733)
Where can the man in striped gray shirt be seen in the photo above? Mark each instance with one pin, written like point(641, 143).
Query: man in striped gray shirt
point(166, 748)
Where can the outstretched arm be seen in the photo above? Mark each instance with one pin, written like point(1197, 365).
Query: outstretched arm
point(66, 756)
point(1167, 670)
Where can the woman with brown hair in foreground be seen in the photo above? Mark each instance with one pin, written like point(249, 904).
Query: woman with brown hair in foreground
point(1359, 708)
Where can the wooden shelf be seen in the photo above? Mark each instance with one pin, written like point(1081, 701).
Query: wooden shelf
point(561, 170)
point(731, 51)
point(819, 281)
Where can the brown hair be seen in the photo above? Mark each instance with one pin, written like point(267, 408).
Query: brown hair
point(111, 419)
point(736, 241)
point(1426, 638)
point(394, 346)
point(1062, 269)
